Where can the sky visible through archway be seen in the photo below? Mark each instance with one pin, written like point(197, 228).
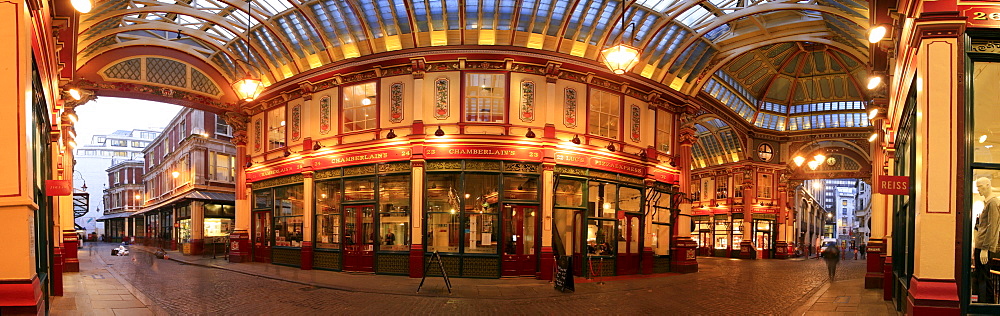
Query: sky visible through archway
point(106, 115)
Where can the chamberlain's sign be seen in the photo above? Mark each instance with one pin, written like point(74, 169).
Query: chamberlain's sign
point(893, 185)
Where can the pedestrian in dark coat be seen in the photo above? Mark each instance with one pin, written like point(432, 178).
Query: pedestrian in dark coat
point(832, 257)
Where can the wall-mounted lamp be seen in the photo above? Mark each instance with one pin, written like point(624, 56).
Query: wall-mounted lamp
point(248, 165)
point(75, 94)
point(877, 33)
point(874, 82)
point(530, 133)
point(390, 135)
point(317, 146)
point(82, 6)
point(576, 139)
point(175, 174)
point(813, 164)
point(287, 153)
point(873, 137)
point(611, 147)
point(439, 132)
point(872, 114)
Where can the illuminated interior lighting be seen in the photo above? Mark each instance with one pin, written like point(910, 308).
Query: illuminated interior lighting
point(874, 82)
point(876, 34)
point(799, 160)
point(982, 138)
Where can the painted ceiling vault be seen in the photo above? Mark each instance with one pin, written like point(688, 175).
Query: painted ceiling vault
point(780, 65)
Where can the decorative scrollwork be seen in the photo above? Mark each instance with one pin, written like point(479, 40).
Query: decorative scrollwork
point(327, 174)
point(444, 165)
point(359, 170)
point(520, 167)
point(290, 179)
point(395, 167)
point(483, 165)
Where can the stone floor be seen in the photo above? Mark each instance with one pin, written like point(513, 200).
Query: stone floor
point(200, 285)
point(97, 291)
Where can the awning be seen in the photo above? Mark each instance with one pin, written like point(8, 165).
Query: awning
point(193, 195)
point(115, 215)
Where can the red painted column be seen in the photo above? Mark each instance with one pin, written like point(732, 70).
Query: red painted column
point(749, 199)
point(781, 247)
point(548, 262)
point(57, 271)
point(682, 248)
point(416, 261)
point(239, 240)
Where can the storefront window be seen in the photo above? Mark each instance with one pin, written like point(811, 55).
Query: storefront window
point(394, 213)
point(661, 225)
point(218, 227)
point(219, 210)
point(263, 199)
point(328, 214)
point(629, 199)
point(288, 210)
point(564, 232)
point(481, 206)
point(443, 211)
point(603, 201)
point(359, 189)
point(569, 193)
point(184, 231)
point(520, 188)
point(600, 237)
point(721, 233)
point(737, 233)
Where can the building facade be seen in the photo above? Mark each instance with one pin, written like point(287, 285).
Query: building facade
point(121, 199)
point(93, 161)
point(189, 184)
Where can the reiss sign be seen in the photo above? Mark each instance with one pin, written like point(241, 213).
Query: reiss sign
point(894, 185)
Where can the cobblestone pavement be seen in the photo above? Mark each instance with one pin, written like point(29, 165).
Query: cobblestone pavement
point(723, 286)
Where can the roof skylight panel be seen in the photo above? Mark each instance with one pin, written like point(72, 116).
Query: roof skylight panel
point(420, 12)
point(369, 12)
point(274, 6)
point(655, 5)
point(556, 18)
point(693, 16)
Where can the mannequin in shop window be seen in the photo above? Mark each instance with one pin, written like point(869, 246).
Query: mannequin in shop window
point(986, 239)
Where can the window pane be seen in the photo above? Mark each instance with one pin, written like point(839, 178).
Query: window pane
point(604, 113)
point(359, 189)
point(360, 102)
point(481, 236)
point(520, 188)
point(602, 201)
point(288, 231)
point(569, 193)
point(481, 193)
point(288, 201)
point(629, 199)
point(442, 232)
point(394, 214)
point(985, 88)
point(485, 98)
point(442, 193)
point(600, 237)
point(276, 128)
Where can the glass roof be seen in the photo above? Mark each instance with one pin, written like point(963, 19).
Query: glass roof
point(717, 143)
point(678, 38)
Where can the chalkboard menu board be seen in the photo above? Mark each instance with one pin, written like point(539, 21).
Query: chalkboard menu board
point(564, 274)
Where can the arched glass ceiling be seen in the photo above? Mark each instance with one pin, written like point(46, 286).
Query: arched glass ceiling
point(793, 86)
point(717, 143)
point(680, 40)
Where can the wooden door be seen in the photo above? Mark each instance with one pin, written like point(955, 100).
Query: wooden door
point(520, 241)
point(628, 245)
point(359, 238)
point(262, 236)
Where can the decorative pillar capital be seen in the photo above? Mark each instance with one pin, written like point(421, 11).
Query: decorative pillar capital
point(418, 67)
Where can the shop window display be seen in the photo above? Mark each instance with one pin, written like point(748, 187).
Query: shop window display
point(394, 213)
point(359, 189)
point(328, 196)
point(603, 199)
point(481, 207)
point(984, 224)
point(288, 211)
point(442, 212)
point(601, 237)
point(661, 225)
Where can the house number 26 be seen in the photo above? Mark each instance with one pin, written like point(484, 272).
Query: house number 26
point(995, 16)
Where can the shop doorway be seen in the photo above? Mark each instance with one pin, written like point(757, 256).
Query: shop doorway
point(628, 245)
point(359, 238)
point(262, 236)
point(520, 252)
point(764, 237)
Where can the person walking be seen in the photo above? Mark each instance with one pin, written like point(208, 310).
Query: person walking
point(832, 257)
